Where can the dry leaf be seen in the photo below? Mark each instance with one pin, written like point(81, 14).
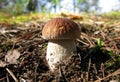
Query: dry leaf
point(12, 56)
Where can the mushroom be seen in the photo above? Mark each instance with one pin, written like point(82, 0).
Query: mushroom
point(61, 34)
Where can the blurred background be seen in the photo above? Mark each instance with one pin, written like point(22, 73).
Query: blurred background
point(17, 7)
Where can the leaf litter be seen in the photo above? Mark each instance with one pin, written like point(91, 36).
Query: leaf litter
point(23, 51)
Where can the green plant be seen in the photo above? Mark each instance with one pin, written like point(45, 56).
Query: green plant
point(114, 61)
point(99, 45)
point(99, 42)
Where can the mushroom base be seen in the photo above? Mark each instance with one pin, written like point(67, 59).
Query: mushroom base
point(57, 51)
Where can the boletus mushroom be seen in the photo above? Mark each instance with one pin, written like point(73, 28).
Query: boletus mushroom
point(61, 34)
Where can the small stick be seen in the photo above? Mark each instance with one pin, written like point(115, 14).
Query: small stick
point(95, 69)
point(11, 73)
point(103, 70)
point(89, 66)
point(112, 74)
point(7, 77)
point(36, 64)
point(1, 79)
point(61, 74)
point(83, 42)
point(118, 38)
point(85, 36)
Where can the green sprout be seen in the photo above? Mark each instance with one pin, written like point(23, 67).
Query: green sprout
point(99, 42)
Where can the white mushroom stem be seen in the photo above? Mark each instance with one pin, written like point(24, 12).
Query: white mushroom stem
point(58, 50)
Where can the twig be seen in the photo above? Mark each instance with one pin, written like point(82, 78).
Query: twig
point(36, 64)
point(11, 73)
point(103, 34)
point(117, 72)
point(95, 69)
point(103, 70)
point(1, 79)
point(79, 56)
point(83, 42)
point(118, 38)
point(88, 53)
point(88, 38)
point(89, 66)
point(62, 75)
point(7, 77)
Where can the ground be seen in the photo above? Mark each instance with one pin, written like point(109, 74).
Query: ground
point(23, 51)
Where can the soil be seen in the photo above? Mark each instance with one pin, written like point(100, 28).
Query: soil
point(91, 63)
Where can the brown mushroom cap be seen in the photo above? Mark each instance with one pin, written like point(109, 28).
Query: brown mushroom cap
point(61, 28)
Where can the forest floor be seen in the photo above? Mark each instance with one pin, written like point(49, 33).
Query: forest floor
point(23, 51)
